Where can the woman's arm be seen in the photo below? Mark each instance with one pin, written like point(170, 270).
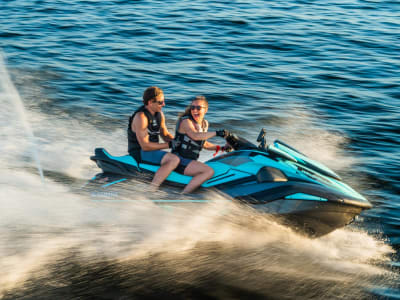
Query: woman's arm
point(209, 146)
point(188, 128)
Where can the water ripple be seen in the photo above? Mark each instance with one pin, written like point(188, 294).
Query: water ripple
point(288, 65)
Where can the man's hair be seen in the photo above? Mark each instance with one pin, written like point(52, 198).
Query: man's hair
point(151, 93)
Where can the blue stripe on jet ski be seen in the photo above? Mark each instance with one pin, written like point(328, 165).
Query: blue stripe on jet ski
point(303, 159)
point(228, 179)
point(85, 184)
point(180, 201)
point(114, 182)
point(173, 177)
point(160, 200)
point(219, 178)
point(302, 196)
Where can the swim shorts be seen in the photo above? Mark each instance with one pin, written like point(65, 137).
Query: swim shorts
point(152, 157)
point(182, 165)
point(155, 157)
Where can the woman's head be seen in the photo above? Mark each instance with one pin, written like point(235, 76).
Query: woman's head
point(198, 108)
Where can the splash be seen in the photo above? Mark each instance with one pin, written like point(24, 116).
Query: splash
point(65, 142)
point(10, 94)
point(307, 132)
point(57, 244)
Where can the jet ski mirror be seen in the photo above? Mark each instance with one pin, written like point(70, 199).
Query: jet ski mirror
point(261, 139)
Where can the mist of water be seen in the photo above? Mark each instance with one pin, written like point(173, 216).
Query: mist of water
point(57, 243)
point(10, 94)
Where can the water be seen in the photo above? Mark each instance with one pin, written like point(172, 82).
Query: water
point(319, 76)
point(11, 94)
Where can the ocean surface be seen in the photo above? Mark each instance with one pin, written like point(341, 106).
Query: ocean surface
point(322, 76)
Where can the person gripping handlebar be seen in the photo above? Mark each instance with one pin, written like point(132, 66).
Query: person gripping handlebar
point(222, 133)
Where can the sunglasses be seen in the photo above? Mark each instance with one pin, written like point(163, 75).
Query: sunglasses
point(196, 107)
point(158, 102)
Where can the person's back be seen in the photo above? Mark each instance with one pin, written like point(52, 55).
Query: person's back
point(145, 127)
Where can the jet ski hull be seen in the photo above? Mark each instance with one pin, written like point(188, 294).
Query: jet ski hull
point(277, 180)
point(309, 217)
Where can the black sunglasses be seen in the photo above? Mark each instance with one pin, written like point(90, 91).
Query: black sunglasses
point(158, 102)
point(196, 107)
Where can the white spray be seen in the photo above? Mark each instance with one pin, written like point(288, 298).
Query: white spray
point(10, 92)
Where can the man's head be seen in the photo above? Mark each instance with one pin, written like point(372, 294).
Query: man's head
point(153, 98)
point(151, 93)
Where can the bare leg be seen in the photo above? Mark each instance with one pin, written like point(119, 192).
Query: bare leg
point(200, 172)
point(168, 163)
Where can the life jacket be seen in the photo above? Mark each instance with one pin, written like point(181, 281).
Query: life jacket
point(153, 129)
point(184, 146)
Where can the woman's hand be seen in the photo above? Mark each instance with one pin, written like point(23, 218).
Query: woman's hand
point(222, 133)
point(227, 148)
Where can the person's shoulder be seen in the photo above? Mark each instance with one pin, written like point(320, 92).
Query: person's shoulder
point(185, 120)
point(140, 113)
point(184, 123)
point(139, 110)
point(140, 116)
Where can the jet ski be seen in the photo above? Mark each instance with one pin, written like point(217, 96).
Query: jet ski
point(276, 179)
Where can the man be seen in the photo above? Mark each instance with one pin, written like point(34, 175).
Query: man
point(144, 129)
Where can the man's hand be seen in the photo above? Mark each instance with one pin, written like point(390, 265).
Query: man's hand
point(173, 144)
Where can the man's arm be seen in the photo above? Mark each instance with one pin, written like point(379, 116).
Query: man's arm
point(165, 134)
point(139, 126)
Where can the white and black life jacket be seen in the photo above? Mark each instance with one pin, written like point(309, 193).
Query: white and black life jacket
point(153, 129)
point(184, 146)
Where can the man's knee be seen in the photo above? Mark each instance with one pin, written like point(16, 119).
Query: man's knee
point(172, 159)
point(176, 160)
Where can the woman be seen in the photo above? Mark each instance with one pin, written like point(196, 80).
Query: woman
point(190, 138)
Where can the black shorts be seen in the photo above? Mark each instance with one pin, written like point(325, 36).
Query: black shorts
point(183, 164)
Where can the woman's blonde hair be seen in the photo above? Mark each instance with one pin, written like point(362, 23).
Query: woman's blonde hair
point(187, 111)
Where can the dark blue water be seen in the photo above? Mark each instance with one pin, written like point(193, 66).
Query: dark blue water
point(322, 76)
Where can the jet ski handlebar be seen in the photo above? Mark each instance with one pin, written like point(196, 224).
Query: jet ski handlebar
point(239, 143)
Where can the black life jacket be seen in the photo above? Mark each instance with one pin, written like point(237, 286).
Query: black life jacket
point(153, 130)
point(185, 146)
